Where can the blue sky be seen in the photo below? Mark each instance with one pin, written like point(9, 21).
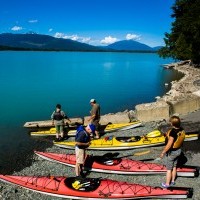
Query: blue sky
point(96, 22)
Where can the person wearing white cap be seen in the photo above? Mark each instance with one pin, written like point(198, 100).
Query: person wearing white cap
point(95, 116)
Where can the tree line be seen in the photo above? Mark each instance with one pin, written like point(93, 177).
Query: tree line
point(183, 42)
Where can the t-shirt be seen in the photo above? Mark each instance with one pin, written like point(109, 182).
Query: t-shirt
point(82, 136)
point(96, 111)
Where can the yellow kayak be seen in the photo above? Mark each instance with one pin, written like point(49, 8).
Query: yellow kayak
point(154, 138)
point(106, 129)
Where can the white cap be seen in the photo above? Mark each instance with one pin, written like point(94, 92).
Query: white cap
point(92, 100)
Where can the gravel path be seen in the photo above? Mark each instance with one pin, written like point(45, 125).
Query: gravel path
point(33, 165)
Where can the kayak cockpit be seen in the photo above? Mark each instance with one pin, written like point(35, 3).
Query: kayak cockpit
point(82, 184)
point(109, 161)
point(128, 139)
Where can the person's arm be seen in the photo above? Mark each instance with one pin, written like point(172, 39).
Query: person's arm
point(93, 113)
point(52, 117)
point(65, 116)
point(167, 147)
point(91, 117)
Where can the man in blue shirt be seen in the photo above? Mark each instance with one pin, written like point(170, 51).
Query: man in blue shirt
point(82, 142)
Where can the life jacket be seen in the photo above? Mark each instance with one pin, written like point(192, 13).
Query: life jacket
point(81, 130)
point(180, 138)
point(58, 115)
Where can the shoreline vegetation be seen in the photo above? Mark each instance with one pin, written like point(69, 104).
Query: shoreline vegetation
point(33, 165)
point(7, 48)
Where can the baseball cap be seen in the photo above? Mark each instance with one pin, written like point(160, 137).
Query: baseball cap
point(92, 100)
point(92, 127)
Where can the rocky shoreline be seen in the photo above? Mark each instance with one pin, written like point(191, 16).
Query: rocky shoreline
point(33, 165)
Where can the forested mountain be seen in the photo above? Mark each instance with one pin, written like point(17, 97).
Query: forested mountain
point(39, 42)
point(43, 42)
point(129, 45)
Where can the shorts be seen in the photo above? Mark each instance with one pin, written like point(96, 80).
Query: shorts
point(59, 128)
point(80, 155)
point(172, 159)
point(59, 125)
point(96, 123)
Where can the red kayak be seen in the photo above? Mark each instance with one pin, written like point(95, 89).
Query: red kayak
point(93, 188)
point(109, 164)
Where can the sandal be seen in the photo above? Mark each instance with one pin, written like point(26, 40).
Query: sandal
point(164, 185)
point(172, 183)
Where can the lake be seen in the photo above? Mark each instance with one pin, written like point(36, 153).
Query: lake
point(32, 83)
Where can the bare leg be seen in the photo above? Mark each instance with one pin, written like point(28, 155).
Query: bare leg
point(168, 177)
point(174, 174)
point(97, 134)
point(77, 169)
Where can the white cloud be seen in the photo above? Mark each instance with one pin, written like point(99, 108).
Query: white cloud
point(133, 37)
point(50, 29)
point(16, 28)
point(33, 21)
point(108, 40)
point(86, 40)
point(73, 37)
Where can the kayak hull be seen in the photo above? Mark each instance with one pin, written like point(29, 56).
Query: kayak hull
point(113, 165)
point(124, 143)
point(109, 128)
point(93, 188)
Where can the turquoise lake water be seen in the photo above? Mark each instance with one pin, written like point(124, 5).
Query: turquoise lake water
point(32, 83)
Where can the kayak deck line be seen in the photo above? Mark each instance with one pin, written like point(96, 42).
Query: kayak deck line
point(154, 138)
point(93, 188)
point(103, 129)
point(108, 163)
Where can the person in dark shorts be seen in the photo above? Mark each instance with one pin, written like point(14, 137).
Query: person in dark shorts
point(82, 140)
point(174, 140)
point(58, 117)
point(95, 116)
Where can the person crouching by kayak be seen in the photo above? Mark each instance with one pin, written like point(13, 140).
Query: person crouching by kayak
point(174, 140)
point(58, 117)
point(82, 140)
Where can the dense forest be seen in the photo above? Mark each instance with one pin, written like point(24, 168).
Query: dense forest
point(183, 42)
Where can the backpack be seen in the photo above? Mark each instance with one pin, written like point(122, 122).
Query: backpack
point(58, 115)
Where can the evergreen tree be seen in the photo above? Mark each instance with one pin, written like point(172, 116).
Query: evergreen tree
point(183, 42)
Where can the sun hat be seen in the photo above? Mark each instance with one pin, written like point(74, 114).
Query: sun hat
point(92, 100)
point(92, 127)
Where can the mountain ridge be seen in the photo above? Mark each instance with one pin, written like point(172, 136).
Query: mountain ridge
point(30, 41)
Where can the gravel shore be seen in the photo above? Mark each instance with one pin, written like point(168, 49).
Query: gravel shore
point(33, 165)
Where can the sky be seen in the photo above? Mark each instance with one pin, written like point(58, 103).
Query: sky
point(95, 22)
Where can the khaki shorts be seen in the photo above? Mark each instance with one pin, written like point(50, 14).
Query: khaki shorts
point(59, 128)
point(80, 155)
